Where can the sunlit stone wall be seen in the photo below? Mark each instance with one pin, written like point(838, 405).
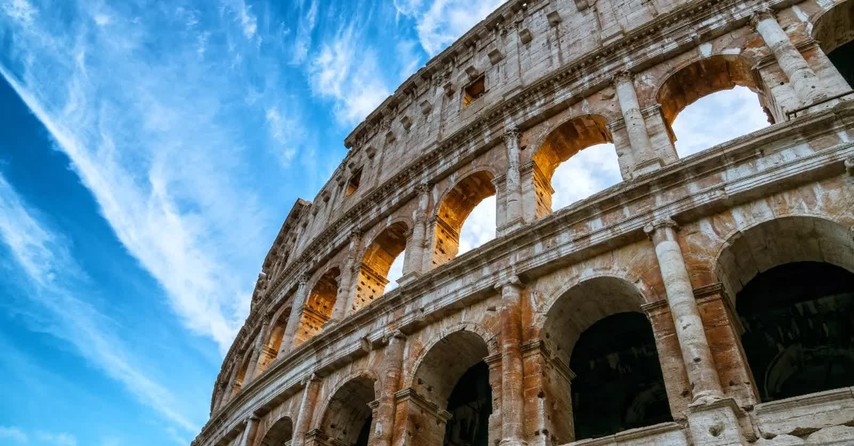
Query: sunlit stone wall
point(628, 317)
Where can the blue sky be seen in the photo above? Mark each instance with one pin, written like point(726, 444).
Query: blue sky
point(149, 152)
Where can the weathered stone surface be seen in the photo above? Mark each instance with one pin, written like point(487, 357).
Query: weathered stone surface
point(326, 357)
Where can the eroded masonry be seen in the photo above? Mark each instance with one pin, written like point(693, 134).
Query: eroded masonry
point(707, 300)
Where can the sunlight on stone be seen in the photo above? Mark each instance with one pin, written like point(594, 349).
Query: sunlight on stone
point(479, 227)
point(396, 272)
point(717, 118)
point(587, 172)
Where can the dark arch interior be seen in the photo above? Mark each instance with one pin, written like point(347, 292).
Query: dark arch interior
point(843, 59)
point(470, 405)
point(618, 383)
point(281, 432)
point(365, 432)
point(798, 323)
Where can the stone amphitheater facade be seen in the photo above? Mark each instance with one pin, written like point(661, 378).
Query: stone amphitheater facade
point(706, 300)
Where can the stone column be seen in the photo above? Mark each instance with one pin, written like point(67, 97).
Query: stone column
point(512, 395)
point(527, 174)
point(295, 316)
point(348, 275)
point(804, 81)
point(256, 351)
point(392, 370)
point(250, 431)
point(513, 183)
point(306, 410)
point(413, 264)
point(693, 343)
point(645, 158)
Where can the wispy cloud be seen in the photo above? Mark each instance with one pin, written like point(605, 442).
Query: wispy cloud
point(17, 435)
point(14, 434)
point(440, 22)
point(139, 99)
point(43, 256)
point(345, 69)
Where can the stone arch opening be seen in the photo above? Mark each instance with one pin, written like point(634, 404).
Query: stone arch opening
point(604, 345)
point(559, 167)
point(240, 377)
point(319, 305)
point(271, 348)
point(376, 264)
point(281, 432)
point(348, 416)
point(453, 382)
point(716, 95)
point(453, 211)
point(834, 31)
point(793, 284)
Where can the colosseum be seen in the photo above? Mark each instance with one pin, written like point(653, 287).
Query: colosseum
point(702, 300)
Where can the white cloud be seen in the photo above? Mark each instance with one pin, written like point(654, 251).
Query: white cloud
point(440, 22)
point(305, 27)
point(14, 434)
point(718, 118)
point(585, 173)
point(479, 227)
point(140, 125)
point(43, 256)
point(346, 71)
point(20, 10)
point(395, 272)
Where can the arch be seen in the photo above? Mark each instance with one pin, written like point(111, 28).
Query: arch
point(454, 208)
point(376, 262)
point(453, 378)
point(792, 279)
point(240, 376)
point(558, 146)
point(704, 77)
point(279, 433)
point(270, 350)
point(579, 329)
point(319, 305)
point(347, 416)
point(834, 30)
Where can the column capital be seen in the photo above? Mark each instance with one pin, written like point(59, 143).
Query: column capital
point(311, 378)
point(764, 12)
point(624, 75)
point(512, 134)
point(254, 418)
point(511, 281)
point(658, 223)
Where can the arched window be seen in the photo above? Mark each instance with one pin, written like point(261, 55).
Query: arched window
point(377, 263)
point(280, 433)
point(274, 341)
point(241, 376)
point(793, 283)
point(618, 383)
point(576, 160)
point(598, 330)
point(715, 99)
point(348, 417)
point(319, 305)
point(456, 207)
point(798, 323)
point(835, 32)
point(454, 377)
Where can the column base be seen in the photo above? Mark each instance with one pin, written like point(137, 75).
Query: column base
point(512, 442)
point(407, 278)
point(715, 423)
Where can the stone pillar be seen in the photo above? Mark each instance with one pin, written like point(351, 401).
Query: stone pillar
point(295, 316)
point(644, 156)
point(256, 352)
point(803, 79)
point(250, 431)
point(306, 410)
point(513, 182)
point(528, 172)
point(683, 308)
point(512, 394)
point(413, 264)
point(348, 275)
point(392, 370)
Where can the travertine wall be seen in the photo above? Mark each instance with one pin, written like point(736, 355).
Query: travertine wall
point(324, 349)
